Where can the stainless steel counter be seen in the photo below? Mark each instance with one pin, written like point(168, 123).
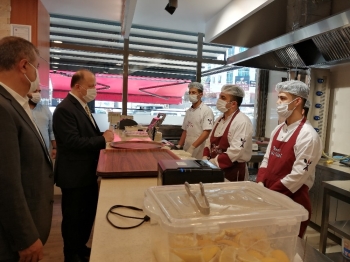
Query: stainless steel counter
point(308, 254)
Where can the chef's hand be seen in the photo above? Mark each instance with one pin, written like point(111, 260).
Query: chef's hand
point(261, 184)
point(177, 147)
point(213, 161)
point(108, 135)
point(33, 253)
point(205, 158)
point(191, 149)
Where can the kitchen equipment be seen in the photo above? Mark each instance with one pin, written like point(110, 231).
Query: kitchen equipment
point(245, 221)
point(173, 172)
point(131, 162)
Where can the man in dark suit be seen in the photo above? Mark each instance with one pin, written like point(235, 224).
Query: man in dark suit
point(26, 174)
point(79, 143)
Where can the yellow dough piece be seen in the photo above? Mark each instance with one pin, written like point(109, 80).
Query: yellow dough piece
point(269, 259)
point(279, 255)
point(228, 243)
point(255, 253)
point(209, 253)
point(228, 254)
point(244, 256)
point(188, 255)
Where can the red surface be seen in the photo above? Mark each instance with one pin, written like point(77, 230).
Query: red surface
point(173, 92)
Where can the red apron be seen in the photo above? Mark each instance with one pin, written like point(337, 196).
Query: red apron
point(280, 164)
point(219, 145)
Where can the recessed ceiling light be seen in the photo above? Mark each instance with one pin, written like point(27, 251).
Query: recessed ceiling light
point(55, 57)
point(55, 67)
point(55, 63)
point(58, 42)
point(56, 50)
point(111, 68)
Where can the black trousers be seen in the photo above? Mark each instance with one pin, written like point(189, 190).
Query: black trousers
point(78, 212)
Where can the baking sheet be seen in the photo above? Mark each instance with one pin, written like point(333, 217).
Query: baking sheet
point(115, 163)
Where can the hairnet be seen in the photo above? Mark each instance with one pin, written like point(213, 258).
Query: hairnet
point(294, 87)
point(233, 90)
point(307, 104)
point(197, 85)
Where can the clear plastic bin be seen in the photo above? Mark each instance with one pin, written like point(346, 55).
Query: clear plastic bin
point(247, 222)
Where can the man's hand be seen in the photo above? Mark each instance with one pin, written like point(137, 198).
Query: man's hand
point(53, 153)
point(261, 184)
point(212, 160)
point(33, 253)
point(108, 135)
point(191, 149)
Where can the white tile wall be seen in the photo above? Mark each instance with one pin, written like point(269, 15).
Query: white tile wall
point(5, 13)
point(340, 120)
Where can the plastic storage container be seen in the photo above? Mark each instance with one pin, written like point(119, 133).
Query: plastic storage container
point(345, 244)
point(246, 222)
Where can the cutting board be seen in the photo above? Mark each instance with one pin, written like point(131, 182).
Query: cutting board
point(131, 162)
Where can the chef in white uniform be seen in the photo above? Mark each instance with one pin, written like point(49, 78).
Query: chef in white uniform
point(197, 124)
point(229, 145)
point(294, 150)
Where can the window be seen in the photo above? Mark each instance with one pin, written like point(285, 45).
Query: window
point(213, 79)
point(229, 77)
point(243, 72)
point(219, 78)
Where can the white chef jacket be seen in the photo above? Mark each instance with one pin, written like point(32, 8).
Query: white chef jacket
point(308, 146)
point(196, 121)
point(240, 132)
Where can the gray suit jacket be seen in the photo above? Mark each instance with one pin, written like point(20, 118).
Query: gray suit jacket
point(26, 180)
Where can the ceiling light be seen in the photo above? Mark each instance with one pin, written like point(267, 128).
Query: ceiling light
point(58, 42)
point(55, 57)
point(55, 67)
point(111, 68)
point(171, 6)
point(55, 63)
point(56, 50)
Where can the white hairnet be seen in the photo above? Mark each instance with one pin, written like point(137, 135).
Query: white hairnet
point(233, 90)
point(197, 85)
point(294, 87)
point(307, 104)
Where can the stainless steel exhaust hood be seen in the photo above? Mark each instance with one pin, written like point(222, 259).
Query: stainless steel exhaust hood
point(317, 45)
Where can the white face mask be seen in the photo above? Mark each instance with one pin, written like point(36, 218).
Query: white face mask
point(221, 105)
point(35, 84)
point(90, 94)
point(283, 112)
point(36, 97)
point(193, 98)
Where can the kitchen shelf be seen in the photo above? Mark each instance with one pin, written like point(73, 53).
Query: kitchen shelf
point(341, 227)
point(337, 257)
point(339, 190)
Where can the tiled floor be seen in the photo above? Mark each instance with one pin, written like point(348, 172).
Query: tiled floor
point(312, 237)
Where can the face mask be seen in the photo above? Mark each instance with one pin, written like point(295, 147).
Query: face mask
point(35, 84)
point(90, 95)
point(221, 105)
point(283, 112)
point(36, 97)
point(193, 98)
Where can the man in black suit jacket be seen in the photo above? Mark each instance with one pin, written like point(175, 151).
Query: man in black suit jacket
point(26, 174)
point(79, 143)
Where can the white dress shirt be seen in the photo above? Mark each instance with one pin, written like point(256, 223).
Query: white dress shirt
point(308, 146)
